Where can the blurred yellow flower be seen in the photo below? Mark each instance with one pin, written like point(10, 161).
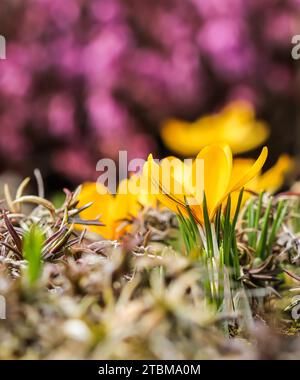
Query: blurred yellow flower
point(235, 125)
point(219, 179)
point(110, 209)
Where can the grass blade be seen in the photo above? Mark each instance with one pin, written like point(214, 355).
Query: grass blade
point(262, 244)
point(32, 251)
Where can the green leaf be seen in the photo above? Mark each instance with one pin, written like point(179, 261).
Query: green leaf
point(235, 253)
point(218, 224)
point(193, 223)
point(32, 252)
point(257, 217)
point(210, 247)
point(227, 233)
point(258, 210)
point(262, 244)
point(251, 223)
point(278, 220)
point(237, 211)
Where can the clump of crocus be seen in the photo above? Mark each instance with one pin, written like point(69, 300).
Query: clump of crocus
point(177, 184)
point(219, 180)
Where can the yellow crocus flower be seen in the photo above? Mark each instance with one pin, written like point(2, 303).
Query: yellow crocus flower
point(219, 179)
point(111, 209)
point(235, 125)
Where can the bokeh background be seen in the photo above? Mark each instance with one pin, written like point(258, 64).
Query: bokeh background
point(84, 79)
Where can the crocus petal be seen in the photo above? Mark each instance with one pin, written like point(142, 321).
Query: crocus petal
point(240, 167)
point(186, 138)
point(244, 138)
point(238, 183)
point(124, 202)
point(273, 179)
point(153, 176)
point(143, 197)
point(177, 176)
point(100, 207)
point(240, 129)
point(235, 126)
point(217, 161)
point(96, 193)
point(270, 181)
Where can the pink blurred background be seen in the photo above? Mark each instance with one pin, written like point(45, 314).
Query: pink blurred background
point(84, 79)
